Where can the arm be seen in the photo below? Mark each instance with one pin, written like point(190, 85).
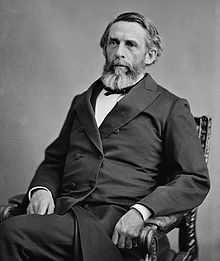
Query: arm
point(49, 173)
point(199, 176)
point(184, 166)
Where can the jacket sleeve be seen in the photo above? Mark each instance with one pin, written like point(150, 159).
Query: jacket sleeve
point(49, 173)
point(184, 165)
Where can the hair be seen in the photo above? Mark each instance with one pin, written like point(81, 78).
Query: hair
point(153, 39)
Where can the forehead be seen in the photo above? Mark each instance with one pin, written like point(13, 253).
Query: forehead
point(127, 30)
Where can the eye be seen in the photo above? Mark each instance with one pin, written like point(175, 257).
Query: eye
point(131, 44)
point(112, 43)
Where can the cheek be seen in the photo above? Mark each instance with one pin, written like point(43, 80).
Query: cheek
point(138, 58)
point(111, 55)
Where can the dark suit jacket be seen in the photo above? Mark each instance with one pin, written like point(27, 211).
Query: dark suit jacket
point(146, 151)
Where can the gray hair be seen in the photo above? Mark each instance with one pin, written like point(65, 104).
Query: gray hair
point(153, 39)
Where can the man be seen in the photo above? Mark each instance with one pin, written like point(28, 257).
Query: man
point(128, 150)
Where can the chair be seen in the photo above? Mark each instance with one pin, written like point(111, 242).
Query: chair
point(156, 227)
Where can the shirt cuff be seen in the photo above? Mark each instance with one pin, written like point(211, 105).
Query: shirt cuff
point(36, 188)
point(144, 211)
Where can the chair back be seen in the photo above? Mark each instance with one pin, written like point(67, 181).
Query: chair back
point(187, 234)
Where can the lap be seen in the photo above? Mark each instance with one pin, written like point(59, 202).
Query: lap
point(56, 227)
point(57, 233)
point(44, 237)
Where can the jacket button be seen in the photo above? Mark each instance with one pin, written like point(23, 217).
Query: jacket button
point(92, 184)
point(116, 131)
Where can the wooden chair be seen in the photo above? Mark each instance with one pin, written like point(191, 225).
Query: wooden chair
point(156, 227)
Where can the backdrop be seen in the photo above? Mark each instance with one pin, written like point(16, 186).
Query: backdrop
point(49, 51)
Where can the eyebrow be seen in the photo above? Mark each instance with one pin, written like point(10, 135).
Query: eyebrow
point(127, 40)
point(135, 43)
point(113, 39)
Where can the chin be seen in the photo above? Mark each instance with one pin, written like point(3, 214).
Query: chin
point(116, 81)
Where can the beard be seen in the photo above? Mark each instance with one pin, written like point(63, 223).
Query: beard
point(119, 75)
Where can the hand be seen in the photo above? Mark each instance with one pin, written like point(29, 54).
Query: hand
point(128, 229)
point(41, 203)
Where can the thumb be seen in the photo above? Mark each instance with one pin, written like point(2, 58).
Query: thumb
point(115, 237)
point(50, 208)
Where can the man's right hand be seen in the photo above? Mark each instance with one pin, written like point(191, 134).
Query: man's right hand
point(41, 203)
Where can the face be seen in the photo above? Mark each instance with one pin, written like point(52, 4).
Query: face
point(126, 55)
point(126, 42)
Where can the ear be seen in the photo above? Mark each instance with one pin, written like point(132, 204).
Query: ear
point(150, 56)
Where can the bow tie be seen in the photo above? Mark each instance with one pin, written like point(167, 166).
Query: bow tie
point(110, 91)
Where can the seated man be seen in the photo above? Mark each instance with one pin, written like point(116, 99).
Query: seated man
point(128, 150)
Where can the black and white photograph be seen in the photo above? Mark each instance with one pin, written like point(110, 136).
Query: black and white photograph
point(109, 130)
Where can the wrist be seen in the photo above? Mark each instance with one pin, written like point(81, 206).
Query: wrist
point(143, 211)
point(37, 188)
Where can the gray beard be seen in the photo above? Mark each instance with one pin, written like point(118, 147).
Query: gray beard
point(121, 77)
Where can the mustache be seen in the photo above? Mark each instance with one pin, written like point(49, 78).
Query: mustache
point(117, 62)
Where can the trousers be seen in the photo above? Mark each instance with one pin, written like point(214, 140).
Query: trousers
point(36, 237)
point(56, 237)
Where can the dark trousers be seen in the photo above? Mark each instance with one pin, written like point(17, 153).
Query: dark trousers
point(36, 237)
point(51, 238)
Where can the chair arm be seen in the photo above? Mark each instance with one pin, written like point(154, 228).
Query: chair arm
point(11, 209)
point(7, 211)
point(155, 229)
point(16, 199)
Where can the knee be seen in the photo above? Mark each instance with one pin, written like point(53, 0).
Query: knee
point(9, 230)
point(3, 231)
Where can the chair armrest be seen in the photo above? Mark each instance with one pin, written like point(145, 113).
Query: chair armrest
point(165, 223)
point(155, 229)
point(7, 211)
point(17, 200)
point(11, 209)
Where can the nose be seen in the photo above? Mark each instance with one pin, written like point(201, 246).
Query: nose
point(120, 51)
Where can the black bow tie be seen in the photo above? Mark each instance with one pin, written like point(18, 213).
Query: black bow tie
point(110, 91)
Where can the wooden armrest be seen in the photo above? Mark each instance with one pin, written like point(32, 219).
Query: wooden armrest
point(7, 211)
point(11, 209)
point(155, 229)
point(16, 199)
point(165, 223)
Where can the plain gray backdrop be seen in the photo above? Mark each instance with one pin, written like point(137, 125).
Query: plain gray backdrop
point(49, 51)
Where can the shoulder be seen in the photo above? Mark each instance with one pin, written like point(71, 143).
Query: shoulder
point(171, 101)
point(168, 104)
point(165, 98)
point(168, 107)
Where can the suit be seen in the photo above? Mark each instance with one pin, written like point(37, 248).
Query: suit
point(146, 151)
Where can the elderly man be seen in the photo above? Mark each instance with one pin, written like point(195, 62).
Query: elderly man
point(128, 150)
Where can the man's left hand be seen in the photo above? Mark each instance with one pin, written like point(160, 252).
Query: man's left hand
point(128, 229)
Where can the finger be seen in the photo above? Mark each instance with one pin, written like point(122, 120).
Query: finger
point(128, 243)
point(31, 209)
point(42, 209)
point(134, 243)
point(115, 237)
point(50, 209)
point(121, 241)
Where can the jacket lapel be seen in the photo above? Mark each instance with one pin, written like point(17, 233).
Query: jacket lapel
point(86, 116)
point(138, 99)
